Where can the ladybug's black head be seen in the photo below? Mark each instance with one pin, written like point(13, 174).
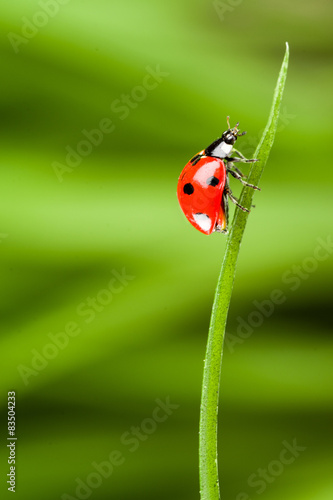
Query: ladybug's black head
point(230, 135)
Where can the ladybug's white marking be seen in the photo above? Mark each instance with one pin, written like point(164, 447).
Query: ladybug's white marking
point(222, 150)
point(203, 221)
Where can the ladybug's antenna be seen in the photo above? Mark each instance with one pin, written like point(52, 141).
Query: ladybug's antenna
point(235, 129)
point(236, 132)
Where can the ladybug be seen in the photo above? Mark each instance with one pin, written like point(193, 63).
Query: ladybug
point(203, 186)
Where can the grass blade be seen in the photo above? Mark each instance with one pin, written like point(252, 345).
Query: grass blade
point(209, 482)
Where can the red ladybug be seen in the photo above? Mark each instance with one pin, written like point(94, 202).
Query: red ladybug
point(203, 185)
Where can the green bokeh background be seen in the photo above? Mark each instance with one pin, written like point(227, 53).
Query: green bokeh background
point(63, 238)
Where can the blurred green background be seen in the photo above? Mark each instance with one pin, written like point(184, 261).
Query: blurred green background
point(106, 289)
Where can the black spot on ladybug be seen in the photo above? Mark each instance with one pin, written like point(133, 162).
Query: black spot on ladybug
point(188, 188)
point(212, 181)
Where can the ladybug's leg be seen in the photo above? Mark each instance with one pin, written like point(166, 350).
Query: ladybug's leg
point(221, 225)
point(237, 170)
point(223, 218)
point(237, 176)
point(225, 205)
point(242, 160)
point(234, 200)
point(241, 155)
point(230, 164)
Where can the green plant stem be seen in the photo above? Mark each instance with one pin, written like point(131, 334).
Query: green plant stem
point(209, 482)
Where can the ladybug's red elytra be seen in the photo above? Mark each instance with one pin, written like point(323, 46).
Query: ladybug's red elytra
point(203, 185)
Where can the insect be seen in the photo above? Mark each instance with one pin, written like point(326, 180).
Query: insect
point(203, 185)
